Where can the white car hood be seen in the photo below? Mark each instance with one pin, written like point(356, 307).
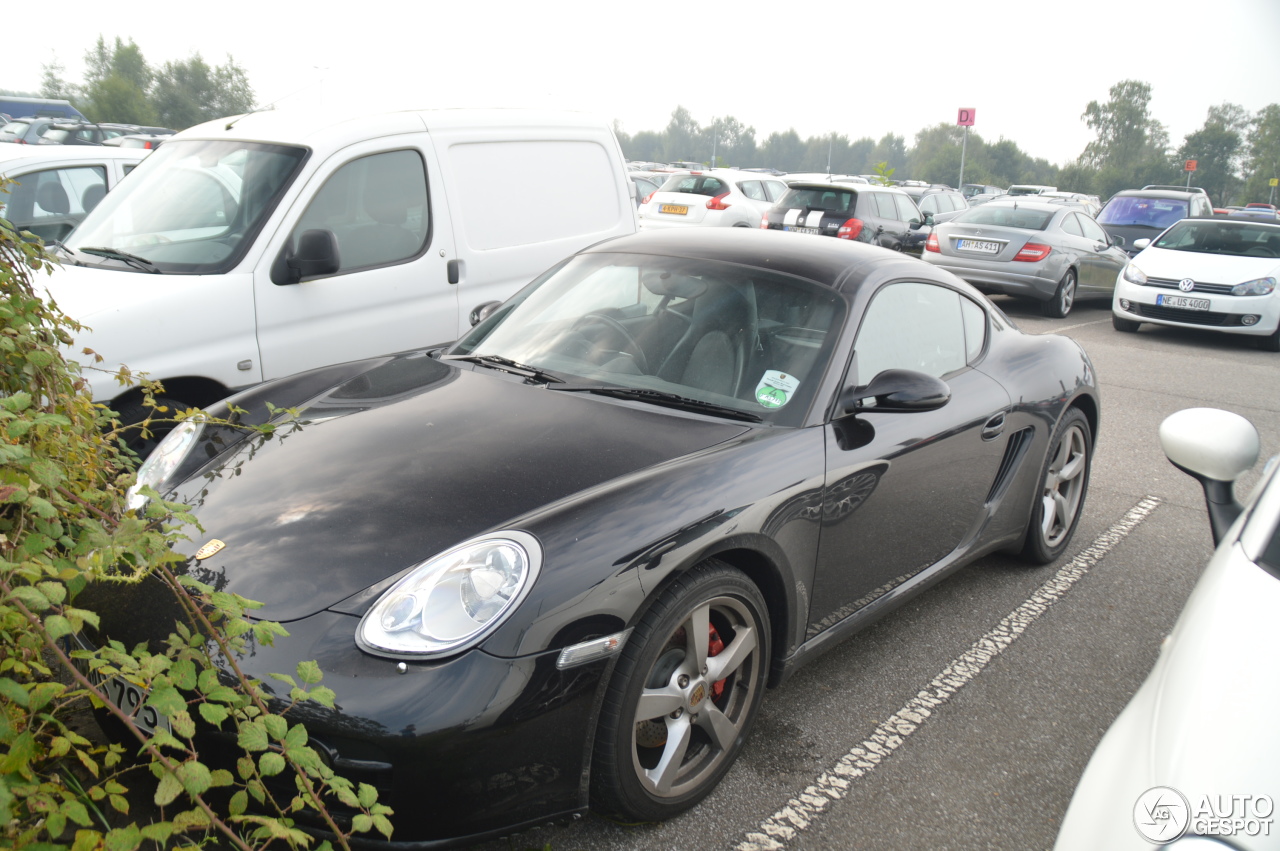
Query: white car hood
point(82, 292)
point(1206, 268)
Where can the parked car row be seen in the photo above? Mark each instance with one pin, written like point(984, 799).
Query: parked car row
point(60, 131)
point(56, 187)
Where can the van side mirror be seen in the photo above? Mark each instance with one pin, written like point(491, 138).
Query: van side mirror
point(316, 255)
point(1215, 448)
point(903, 390)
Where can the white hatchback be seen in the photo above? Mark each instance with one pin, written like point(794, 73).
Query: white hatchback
point(1216, 274)
point(721, 197)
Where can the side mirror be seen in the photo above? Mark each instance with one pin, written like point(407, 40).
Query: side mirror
point(317, 254)
point(903, 390)
point(482, 311)
point(1215, 448)
point(1140, 243)
point(1117, 240)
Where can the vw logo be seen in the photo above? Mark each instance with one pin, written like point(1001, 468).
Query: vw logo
point(1186, 285)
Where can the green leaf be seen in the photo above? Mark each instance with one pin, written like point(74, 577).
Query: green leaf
point(296, 737)
point(271, 763)
point(57, 626)
point(362, 823)
point(276, 726)
point(367, 795)
point(253, 737)
point(41, 507)
point(168, 789)
point(77, 812)
point(120, 803)
point(14, 692)
point(43, 693)
point(195, 777)
point(31, 598)
point(309, 672)
point(284, 678)
point(191, 820)
point(222, 777)
point(158, 831)
point(123, 838)
point(383, 824)
point(167, 700)
point(213, 713)
point(323, 695)
point(239, 803)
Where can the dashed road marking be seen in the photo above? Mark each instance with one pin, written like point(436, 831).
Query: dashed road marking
point(784, 826)
point(1070, 327)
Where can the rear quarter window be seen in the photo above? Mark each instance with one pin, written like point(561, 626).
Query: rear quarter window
point(495, 210)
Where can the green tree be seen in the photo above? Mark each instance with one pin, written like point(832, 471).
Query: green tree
point(783, 150)
point(1217, 148)
point(683, 138)
point(53, 84)
point(1262, 158)
point(891, 149)
point(1131, 146)
point(190, 91)
point(117, 83)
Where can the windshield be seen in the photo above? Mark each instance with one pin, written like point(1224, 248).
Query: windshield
point(752, 341)
point(1006, 215)
point(1157, 213)
point(827, 198)
point(192, 207)
point(1209, 236)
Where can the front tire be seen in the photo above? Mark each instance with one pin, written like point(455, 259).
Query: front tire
point(1271, 342)
point(1063, 297)
point(1126, 325)
point(683, 696)
point(1064, 482)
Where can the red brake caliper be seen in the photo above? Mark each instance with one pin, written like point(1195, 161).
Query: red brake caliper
point(714, 646)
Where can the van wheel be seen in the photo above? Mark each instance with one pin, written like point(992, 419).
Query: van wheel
point(1065, 296)
point(132, 415)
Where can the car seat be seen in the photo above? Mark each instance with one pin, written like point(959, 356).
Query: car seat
point(713, 352)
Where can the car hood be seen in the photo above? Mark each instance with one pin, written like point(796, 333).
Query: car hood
point(402, 462)
point(83, 292)
point(1204, 268)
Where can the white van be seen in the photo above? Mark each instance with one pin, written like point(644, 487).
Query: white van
point(254, 247)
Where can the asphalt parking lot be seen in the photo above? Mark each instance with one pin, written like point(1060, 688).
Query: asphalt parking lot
point(963, 720)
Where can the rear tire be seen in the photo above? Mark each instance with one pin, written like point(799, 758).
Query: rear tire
point(1063, 298)
point(1126, 325)
point(1063, 484)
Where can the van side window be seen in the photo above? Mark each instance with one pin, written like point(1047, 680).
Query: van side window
point(376, 207)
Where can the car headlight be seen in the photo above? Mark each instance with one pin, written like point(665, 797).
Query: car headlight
point(163, 460)
point(1134, 275)
point(1258, 286)
point(452, 601)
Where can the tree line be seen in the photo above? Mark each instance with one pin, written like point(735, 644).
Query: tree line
point(120, 86)
point(1236, 153)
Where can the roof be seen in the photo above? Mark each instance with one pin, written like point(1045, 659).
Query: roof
point(323, 130)
point(13, 157)
point(1180, 194)
point(839, 263)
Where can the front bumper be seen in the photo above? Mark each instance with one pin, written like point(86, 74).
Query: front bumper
point(471, 747)
point(1227, 313)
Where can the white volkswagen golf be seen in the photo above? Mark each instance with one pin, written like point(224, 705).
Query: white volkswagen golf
point(1218, 274)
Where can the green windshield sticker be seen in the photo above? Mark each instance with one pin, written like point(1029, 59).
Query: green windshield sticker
point(775, 388)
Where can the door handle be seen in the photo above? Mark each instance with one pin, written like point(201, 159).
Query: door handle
point(455, 270)
point(994, 427)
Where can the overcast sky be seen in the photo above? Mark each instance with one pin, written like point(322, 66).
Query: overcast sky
point(857, 68)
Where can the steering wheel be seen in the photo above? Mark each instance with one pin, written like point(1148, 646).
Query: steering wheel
point(631, 347)
point(1260, 251)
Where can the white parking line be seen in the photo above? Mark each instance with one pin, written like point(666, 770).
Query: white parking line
point(785, 826)
point(1070, 327)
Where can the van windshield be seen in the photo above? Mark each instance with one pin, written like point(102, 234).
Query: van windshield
point(192, 207)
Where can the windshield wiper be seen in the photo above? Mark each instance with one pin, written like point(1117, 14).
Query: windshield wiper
point(508, 365)
point(660, 397)
point(124, 257)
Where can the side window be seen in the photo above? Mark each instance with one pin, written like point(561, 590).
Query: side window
point(774, 189)
point(912, 326)
point(975, 328)
point(907, 210)
point(1092, 229)
point(885, 208)
point(1071, 224)
point(376, 207)
point(753, 190)
point(930, 204)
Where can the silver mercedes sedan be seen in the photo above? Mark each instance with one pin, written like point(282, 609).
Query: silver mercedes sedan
point(1052, 253)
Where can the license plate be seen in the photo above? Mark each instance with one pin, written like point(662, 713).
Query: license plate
point(676, 209)
point(803, 230)
point(978, 245)
point(126, 696)
point(1183, 302)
